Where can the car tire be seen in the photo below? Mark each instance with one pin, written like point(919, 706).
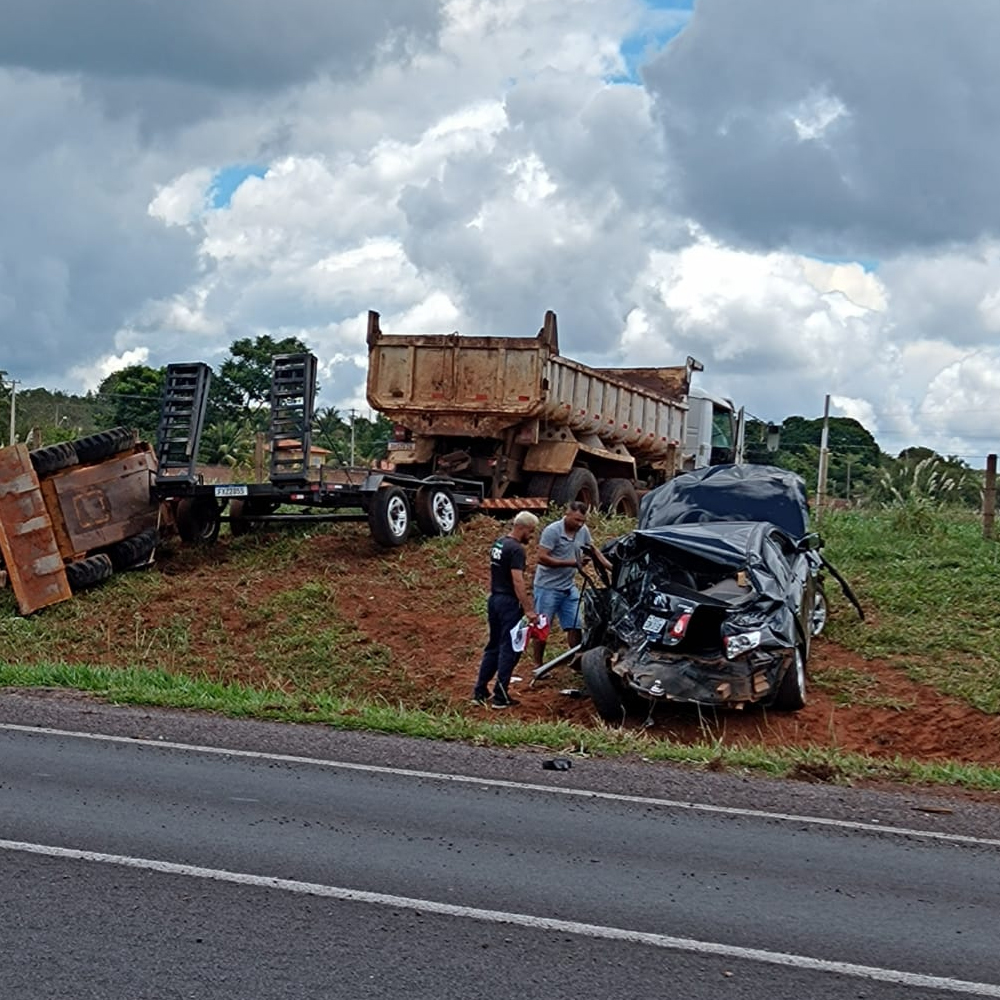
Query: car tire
point(601, 685)
point(791, 693)
point(88, 572)
point(820, 611)
point(578, 484)
point(389, 517)
point(53, 457)
point(618, 497)
point(242, 512)
point(435, 511)
point(198, 520)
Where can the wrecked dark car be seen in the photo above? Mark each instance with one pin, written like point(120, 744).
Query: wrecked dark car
point(713, 600)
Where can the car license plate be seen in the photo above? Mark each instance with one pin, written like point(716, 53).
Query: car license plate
point(231, 491)
point(653, 624)
point(400, 445)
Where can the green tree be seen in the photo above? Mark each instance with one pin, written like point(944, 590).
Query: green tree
point(242, 387)
point(227, 442)
point(132, 397)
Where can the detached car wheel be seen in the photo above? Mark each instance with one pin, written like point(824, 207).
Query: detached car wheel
point(791, 693)
point(601, 685)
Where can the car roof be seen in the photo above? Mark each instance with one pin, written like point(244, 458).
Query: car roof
point(729, 493)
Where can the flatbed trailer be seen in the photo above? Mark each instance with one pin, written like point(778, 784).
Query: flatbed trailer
point(391, 502)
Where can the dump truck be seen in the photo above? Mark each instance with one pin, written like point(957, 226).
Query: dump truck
point(536, 427)
point(72, 513)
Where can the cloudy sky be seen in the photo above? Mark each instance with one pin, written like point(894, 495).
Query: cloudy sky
point(803, 196)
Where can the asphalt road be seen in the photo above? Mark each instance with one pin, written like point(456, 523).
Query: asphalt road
point(187, 856)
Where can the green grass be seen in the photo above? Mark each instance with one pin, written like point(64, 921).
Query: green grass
point(928, 581)
point(164, 689)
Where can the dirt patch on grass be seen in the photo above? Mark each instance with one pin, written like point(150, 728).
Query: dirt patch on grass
point(417, 611)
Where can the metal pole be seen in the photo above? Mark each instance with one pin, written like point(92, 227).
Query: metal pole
point(824, 458)
point(13, 391)
point(990, 496)
point(352, 438)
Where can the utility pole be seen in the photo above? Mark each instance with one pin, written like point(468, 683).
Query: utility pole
point(824, 460)
point(352, 436)
point(14, 383)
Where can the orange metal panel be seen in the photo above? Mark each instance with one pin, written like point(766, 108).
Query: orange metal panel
point(30, 552)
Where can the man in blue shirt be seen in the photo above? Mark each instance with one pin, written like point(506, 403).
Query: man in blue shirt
point(563, 547)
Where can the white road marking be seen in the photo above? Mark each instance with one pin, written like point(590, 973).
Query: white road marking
point(803, 962)
point(582, 793)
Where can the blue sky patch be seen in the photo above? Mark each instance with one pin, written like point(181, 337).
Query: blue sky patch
point(666, 19)
point(228, 179)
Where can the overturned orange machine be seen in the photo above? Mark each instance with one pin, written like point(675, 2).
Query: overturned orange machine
point(73, 513)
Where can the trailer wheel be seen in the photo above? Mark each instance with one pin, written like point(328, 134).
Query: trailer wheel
point(88, 572)
point(104, 444)
point(389, 517)
point(134, 552)
point(53, 457)
point(241, 512)
point(578, 484)
point(435, 511)
point(198, 520)
point(618, 496)
point(601, 685)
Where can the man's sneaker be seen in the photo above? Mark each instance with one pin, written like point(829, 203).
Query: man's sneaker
point(482, 701)
point(506, 703)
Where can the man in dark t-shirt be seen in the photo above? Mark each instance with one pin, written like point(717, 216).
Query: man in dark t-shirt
point(507, 602)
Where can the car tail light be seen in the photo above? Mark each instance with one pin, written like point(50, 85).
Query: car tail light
point(679, 627)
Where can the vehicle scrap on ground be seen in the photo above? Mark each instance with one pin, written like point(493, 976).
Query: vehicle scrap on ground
point(74, 512)
point(534, 427)
point(713, 600)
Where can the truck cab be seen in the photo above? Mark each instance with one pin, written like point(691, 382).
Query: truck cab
point(714, 431)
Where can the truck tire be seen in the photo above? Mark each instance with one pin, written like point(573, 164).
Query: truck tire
point(104, 444)
point(435, 511)
point(197, 520)
point(389, 517)
point(578, 484)
point(618, 496)
point(88, 572)
point(53, 457)
point(601, 685)
point(134, 552)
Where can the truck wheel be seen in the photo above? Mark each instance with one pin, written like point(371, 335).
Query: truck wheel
point(435, 511)
point(134, 552)
point(198, 520)
point(104, 444)
point(601, 685)
point(618, 496)
point(578, 484)
point(53, 457)
point(389, 517)
point(791, 693)
point(88, 572)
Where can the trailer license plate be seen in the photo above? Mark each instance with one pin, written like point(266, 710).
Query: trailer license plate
point(231, 491)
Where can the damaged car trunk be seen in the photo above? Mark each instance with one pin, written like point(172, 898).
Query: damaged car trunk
point(714, 600)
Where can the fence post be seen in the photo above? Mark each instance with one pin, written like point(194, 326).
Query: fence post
point(990, 496)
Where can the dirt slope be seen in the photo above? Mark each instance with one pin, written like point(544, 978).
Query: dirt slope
point(419, 601)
